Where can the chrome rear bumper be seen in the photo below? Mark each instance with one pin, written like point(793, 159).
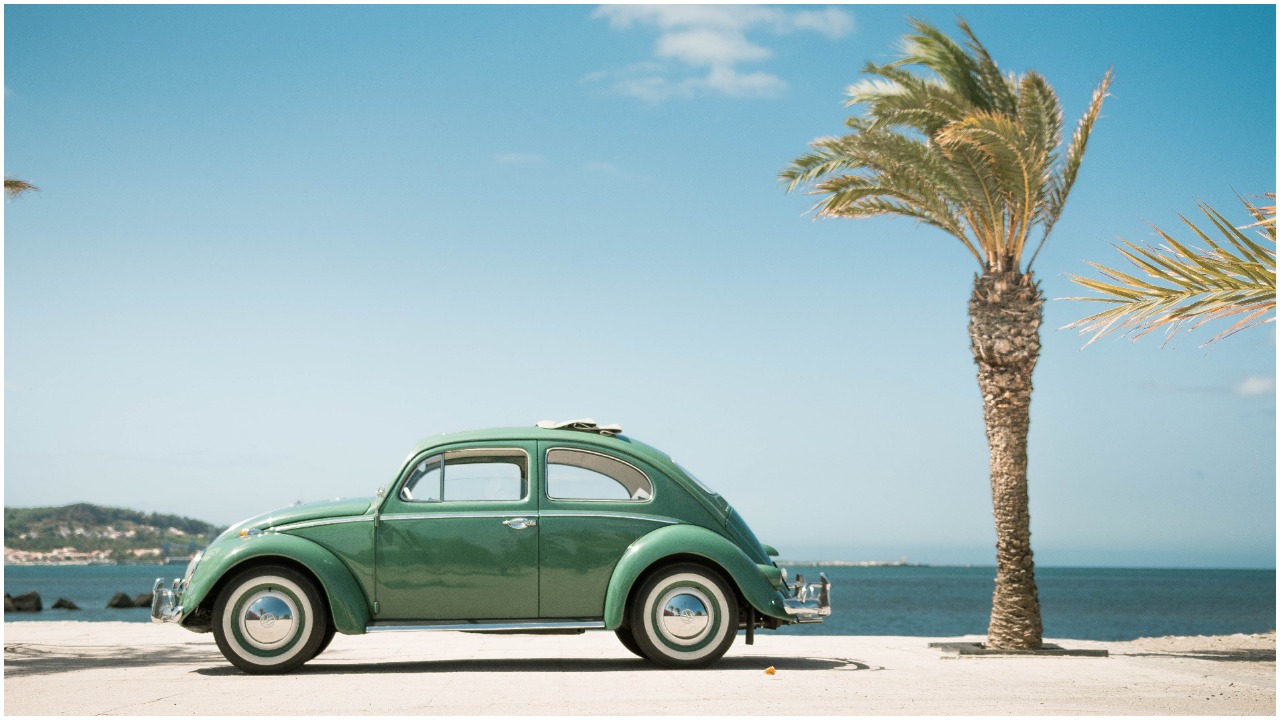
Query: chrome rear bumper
point(164, 601)
point(811, 603)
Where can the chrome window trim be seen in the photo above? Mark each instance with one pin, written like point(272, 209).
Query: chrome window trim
point(606, 514)
point(324, 521)
point(546, 476)
point(428, 454)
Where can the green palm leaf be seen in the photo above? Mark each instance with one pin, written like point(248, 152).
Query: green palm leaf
point(946, 138)
point(14, 187)
point(1185, 287)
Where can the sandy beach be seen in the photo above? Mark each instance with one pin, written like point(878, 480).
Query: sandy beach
point(80, 668)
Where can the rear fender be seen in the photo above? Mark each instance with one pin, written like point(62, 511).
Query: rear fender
point(683, 541)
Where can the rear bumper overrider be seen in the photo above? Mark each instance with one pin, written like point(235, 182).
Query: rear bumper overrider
point(810, 603)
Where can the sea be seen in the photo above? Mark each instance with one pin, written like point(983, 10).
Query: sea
point(928, 601)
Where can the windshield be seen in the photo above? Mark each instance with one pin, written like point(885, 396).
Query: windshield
point(694, 478)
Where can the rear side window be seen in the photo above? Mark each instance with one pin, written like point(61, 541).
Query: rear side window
point(584, 475)
point(469, 475)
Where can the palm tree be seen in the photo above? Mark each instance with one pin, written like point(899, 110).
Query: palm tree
point(14, 187)
point(975, 153)
point(1188, 287)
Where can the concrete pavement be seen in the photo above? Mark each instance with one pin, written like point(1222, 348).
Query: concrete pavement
point(142, 669)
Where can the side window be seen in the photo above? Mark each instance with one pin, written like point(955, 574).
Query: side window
point(469, 475)
point(583, 475)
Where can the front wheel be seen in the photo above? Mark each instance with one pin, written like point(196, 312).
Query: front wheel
point(269, 619)
point(684, 616)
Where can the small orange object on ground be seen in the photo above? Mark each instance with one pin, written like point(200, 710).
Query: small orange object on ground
point(769, 670)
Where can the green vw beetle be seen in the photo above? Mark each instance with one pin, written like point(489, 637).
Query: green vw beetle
point(560, 527)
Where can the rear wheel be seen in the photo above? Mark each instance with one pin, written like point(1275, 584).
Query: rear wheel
point(628, 641)
point(684, 616)
point(324, 642)
point(269, 619)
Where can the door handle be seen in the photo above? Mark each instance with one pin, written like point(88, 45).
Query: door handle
point(519, 523)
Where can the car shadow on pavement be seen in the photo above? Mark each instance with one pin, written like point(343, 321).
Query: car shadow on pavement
point(30, 659)
point(558, 665)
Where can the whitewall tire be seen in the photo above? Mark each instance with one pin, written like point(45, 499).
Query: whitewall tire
point(269, 619)
point(684, 616)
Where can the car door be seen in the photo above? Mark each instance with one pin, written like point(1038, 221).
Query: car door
point(595, 504)
point(457, 538)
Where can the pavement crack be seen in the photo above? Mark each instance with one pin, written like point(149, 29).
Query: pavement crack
point(114, 710)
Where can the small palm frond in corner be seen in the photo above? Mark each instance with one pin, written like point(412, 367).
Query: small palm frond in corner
point(1187, 287)
point(14, 187)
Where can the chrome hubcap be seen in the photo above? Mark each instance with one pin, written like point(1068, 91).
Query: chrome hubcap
point(268, 619)
point(685, 618)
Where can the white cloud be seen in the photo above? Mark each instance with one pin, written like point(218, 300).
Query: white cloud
point(709, 48)
point(653, 88)
point(731, 82)
point(832, 22)
point(604, 168)
point(517, 158)
point(1256, 385)
point(699, 47)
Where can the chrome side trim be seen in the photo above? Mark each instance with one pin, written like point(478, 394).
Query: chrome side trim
point(518, 513)
point(625, 516)
point(471, 626)
point(444, 516)
point(326, 521)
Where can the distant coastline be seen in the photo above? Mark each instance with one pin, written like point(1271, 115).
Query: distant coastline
point(87, 534)
point(103, 561)
point(902, 562)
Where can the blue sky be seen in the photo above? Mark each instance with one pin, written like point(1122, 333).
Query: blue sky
point(276, 246)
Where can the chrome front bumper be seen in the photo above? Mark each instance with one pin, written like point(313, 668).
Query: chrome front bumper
point(812, 602)
point(164, 601)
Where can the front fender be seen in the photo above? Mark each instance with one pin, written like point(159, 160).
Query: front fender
point(753, 580)
point(347, 604)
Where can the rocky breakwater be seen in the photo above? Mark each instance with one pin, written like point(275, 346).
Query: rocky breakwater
point(122, 600)
point(31, 602)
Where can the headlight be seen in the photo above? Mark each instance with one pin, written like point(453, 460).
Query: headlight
point(191, 568)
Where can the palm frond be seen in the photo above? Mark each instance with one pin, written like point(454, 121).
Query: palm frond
point(995, 86)
point(1187, 288)
point(14, 187)
point(944, 137)
point(1017, 168)
point(931, 48)
point(1039, 113)
point(828, 157)
point(894, 97)
point(1061, 182)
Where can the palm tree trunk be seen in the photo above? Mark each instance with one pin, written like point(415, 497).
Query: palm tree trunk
point(1005, 312)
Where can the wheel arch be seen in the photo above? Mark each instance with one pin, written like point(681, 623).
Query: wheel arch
point(348, 609)
point(668, 561)
point(692, 544)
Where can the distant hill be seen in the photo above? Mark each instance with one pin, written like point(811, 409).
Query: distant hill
point(84, 532)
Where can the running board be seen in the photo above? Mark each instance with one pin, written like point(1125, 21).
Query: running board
point(490, 626)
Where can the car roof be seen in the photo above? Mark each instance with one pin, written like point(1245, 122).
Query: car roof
point(617, 442)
